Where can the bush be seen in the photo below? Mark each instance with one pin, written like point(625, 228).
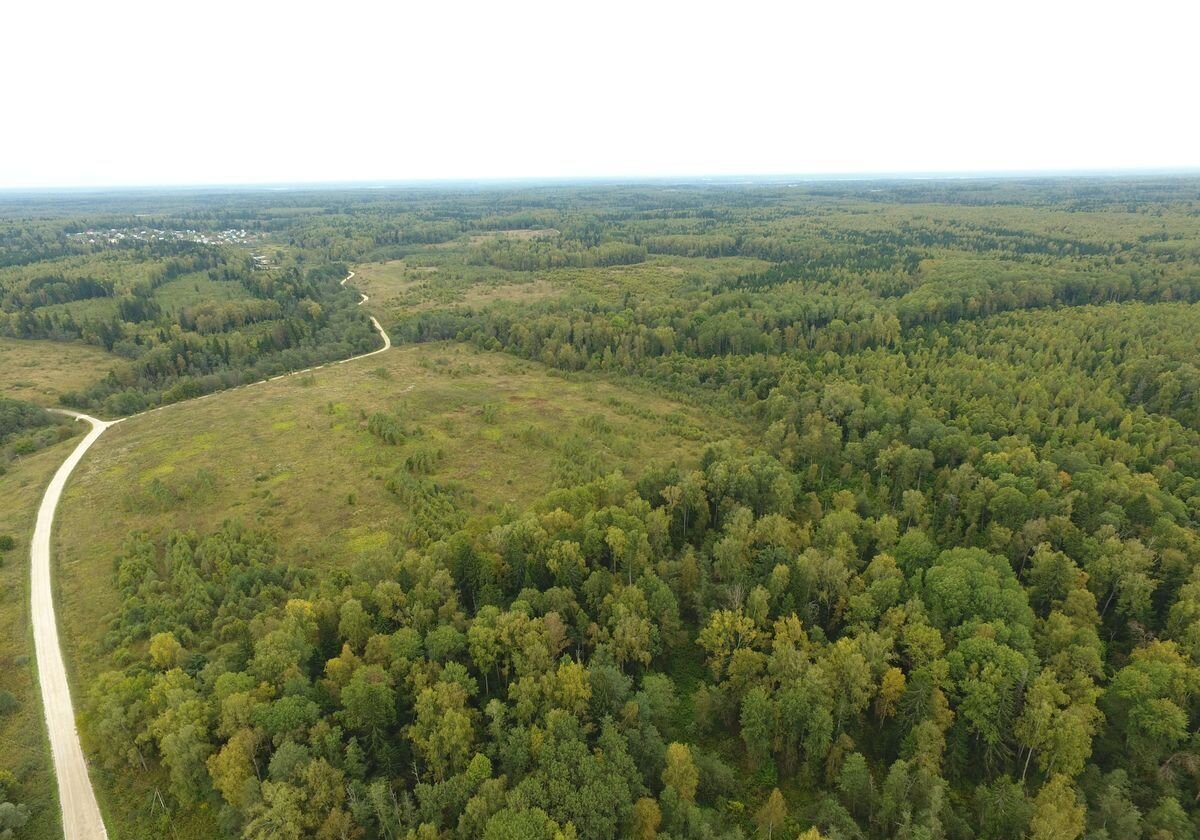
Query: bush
point(8, 783)
point(422, 459)
point(387, 428)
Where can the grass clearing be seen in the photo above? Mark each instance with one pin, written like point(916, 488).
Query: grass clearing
point(197, 288)
point(436, 278)
point(519, 234)
point(41, 371)
point(92, 309)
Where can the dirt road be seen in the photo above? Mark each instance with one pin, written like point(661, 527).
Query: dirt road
point(80, 814)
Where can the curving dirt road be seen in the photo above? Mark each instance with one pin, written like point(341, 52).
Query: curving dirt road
point(80, 814)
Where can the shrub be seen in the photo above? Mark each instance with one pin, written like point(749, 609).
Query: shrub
point(387, 428)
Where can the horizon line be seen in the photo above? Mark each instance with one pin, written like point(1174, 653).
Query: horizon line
point(565, 180)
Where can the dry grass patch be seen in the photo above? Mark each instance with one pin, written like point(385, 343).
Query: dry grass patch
point(41, 371)
point(522, 235)
point(417, 284)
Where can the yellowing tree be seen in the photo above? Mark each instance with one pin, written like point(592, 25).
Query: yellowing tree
point(681, 773)
point(1057, 814)
point(646, 819)
point(726, 632)
point(164, 651)
point(772, 814)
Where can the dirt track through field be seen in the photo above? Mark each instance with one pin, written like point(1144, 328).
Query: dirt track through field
point(80, 813)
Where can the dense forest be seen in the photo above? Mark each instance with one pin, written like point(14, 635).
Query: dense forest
point(948, 586)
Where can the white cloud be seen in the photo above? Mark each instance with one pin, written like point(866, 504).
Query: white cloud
point(221, 92)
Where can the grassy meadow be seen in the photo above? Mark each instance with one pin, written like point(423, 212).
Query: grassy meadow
point(197, 288)
point(439, 276)
point(40, 371)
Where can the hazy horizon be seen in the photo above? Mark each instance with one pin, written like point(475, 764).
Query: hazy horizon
point(690, 179)
point(135, 94)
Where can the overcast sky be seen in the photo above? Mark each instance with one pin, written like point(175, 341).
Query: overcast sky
point(125, 93)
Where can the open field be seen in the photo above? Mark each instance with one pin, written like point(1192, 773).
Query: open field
point(438, 277)
point(295, 455)
point(23, 747)
point(428, 281)
point(197, 288)
point(660, 279)
point(520, 234)
point(40, 371)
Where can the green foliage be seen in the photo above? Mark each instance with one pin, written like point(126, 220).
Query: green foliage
point(17, 416)
point(12, 818)
point(24, 429)
point(387, 427)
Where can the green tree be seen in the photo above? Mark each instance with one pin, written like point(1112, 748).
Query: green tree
point(856, 787)
point(279, 816)
point(116, 720)
point(443, 731)
point(233, 770)
point(12, 819)
point(758, 723)
point(182, 732)
point(354, 624)
point(369, 702)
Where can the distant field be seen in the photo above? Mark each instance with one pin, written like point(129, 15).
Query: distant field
point(296, 456)
point(519, 234)
point(186, 290)
point(424, 282)
point(23, 747)
point(40, 371)
point(438, 276)
point(192, 289)
point(660, 279)
point(93, 309)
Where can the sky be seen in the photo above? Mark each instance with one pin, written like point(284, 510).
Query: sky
point(257, 91)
